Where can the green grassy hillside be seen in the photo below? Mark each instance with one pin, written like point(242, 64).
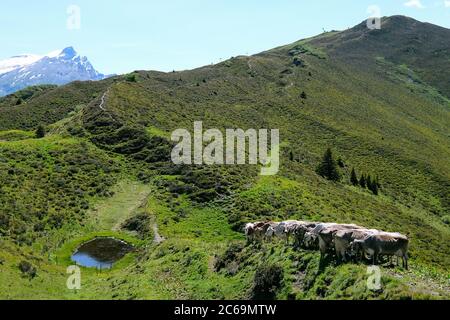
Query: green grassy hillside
point(401, 40)
point(47, 104)
point(105, 169)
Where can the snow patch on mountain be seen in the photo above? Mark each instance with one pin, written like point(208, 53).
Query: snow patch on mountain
point(17, 62)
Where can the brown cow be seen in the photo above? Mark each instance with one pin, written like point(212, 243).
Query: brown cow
point(326, 234)
point(252, 230)
point(344, 238)
point(311, 238)
point(299, 231)
point(383, 243)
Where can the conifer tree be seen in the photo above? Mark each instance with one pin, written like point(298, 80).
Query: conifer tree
point(291, 156)
point(369, 182)
point(372, 184)
point(354, 178)
point(362, 181)
point(375, 188)
point(328, 167)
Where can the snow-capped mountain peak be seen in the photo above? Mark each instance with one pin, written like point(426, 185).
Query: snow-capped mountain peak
point(57, 67)
point(69, 53)
point(54, 54)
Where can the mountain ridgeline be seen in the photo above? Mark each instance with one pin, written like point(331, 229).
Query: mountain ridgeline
point(380, 99)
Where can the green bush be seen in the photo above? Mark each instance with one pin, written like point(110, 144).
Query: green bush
point(267, 281)
point(446, 219)
point(131, 78)
point(27, 269)
point(40, 132)
point(140, 224)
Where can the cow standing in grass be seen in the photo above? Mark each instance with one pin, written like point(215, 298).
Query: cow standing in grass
point(257, 231)
point(383, 243)
point(326, 236)
point(343, 240)
point(299, 231)
point(281, 230)
point(252, 230)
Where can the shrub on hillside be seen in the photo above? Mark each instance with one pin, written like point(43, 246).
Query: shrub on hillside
point(446, 219)
point(131, 78)
point(140, 224)
point(267, 281)
point(40, 132)
point(27, 269)
point(303, 95)
point(230, 259)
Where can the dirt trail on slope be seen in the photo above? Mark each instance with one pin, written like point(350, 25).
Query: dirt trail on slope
point(103, 100)
point(157, 237)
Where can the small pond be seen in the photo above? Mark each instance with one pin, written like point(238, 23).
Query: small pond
point(101, 253)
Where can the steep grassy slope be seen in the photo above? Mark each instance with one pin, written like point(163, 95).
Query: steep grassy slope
point(376, 124)
point(402, 40)
point(105, 170)
point(46, 104)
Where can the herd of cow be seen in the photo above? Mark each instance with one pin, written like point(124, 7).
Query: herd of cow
point(344, 240)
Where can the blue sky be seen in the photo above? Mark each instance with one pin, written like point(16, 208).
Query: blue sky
point(121, 36)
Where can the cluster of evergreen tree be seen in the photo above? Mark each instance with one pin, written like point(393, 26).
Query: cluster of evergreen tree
point(329, 169)
point(366, 181)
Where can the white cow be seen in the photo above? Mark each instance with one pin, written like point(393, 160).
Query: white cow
point(249, 230)
point(281, 230)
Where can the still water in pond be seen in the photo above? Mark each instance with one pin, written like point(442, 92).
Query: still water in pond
point(101, 253)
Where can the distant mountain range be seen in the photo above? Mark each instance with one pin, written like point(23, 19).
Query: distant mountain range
point(58, 67)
